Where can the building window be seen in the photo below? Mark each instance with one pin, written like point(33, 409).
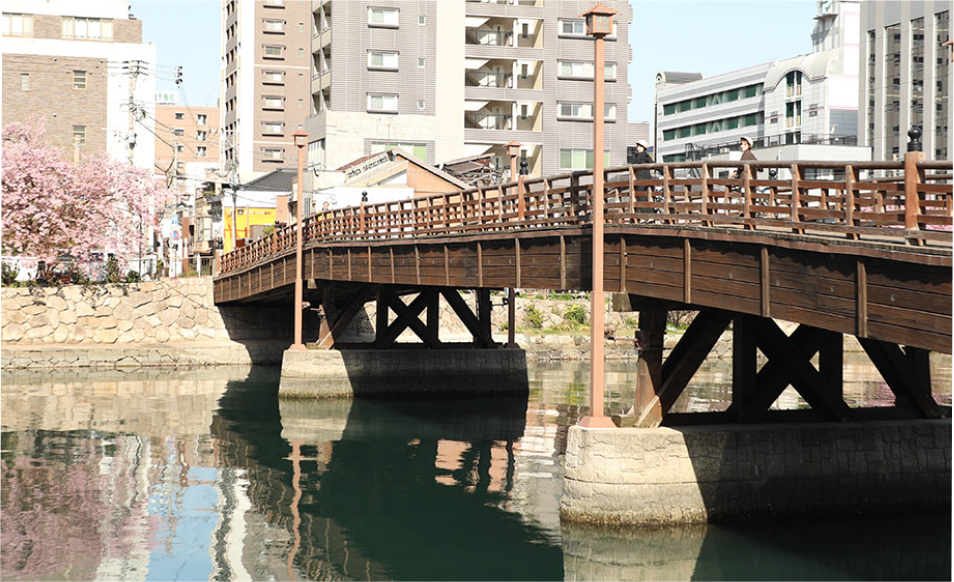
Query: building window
point(200, 151)
point(79, 134)
point(180, 115)
point(421, 104)
point(418, 150)
point(576, 70)
point(178, 131)
point(24, 81)
point(580, 159)
point(576, 111)
point(180, 148)
point(274, 26)
point(385, 60)
point(421, 62)
point(275, 3)
point(202, 119)
point(274, 51)
point(609, 112)
point(384, 17)
point(572, 28)
point(382, 103)
point(201, 135)
point(421, 20)
point(609, 72)
point(273, 128)
point(277, 103)
point(79, 80)
point(17, 25)
point(274, 78)
point(87, 28)
point(273, 154)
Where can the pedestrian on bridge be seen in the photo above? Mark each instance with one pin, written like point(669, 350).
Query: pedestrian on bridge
point(643, 157)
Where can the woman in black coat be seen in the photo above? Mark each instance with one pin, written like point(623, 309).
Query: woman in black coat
point(643, 157)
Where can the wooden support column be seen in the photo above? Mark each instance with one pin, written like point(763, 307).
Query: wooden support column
point(649, 345)
point(831, 360)
point(381, 315)
point(906, 373)
point(744, 379)
point(484, 308)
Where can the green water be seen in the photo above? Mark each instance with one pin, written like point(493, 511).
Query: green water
point(206, 475)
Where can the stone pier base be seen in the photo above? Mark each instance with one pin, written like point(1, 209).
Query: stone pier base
point(403, 372)
point(640, 476)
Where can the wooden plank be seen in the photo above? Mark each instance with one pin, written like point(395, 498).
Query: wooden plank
point(765, 283)
point(861, 299)
point(687, 271)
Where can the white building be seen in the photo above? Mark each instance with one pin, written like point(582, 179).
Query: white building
point(810, 98)
point(908, 77)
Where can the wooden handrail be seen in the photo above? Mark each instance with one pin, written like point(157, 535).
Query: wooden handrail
point(862, 199)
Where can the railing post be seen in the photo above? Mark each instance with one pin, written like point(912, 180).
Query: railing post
point(747, 196)
point(912, 200)
point(850, 200)
point(704, 206)
point(796, 201)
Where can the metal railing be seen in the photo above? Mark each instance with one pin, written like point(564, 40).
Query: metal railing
point(868, 200)
point(489, 37)
point(479, 120)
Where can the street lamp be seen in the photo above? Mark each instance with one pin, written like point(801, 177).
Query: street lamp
point(599, 23)
point(301, 140)
point(513, 150)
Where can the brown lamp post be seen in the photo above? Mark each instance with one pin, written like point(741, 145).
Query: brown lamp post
point(513, 149)
point(599, 23)
point(301, 140)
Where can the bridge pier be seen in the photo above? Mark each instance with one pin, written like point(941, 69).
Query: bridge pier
point(338, 365)
point(751, 460)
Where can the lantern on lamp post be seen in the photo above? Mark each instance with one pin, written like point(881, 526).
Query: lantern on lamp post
point(301, 140)
point(599, 23)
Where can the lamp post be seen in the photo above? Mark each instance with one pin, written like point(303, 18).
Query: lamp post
point(513, 149)
point(301, 140)
point(599, 23)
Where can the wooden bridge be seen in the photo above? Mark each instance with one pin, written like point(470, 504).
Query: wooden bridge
point(839, 248)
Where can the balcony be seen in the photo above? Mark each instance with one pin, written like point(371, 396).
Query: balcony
point(484, 120)
point(320, 81)
point(482, 78)
point(489, 37)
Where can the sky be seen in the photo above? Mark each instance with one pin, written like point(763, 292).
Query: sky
point(706, 36)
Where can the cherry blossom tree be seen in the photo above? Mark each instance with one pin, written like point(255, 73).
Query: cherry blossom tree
point(52, 207)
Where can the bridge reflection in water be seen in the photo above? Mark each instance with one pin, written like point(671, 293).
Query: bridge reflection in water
point(206, 475)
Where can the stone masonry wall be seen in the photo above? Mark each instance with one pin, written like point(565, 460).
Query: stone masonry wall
point(698, 474)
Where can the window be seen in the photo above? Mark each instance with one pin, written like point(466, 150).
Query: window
point(384, 17)
point(79, 134)
point(382, 102)
point(383, 60)
point(275, 3)
point(17, 25)
point(274, 26)
point(576, 110)
point(421, 104)
point(609, 111)
point(200, 151)
point(180, 115)
point(180, 147)
point(24, 81)
point(178, 131)
point(273, 128)
point(572, 28)
point(580, 159)
point(201, 135)
point(609, 72)
point(79, 80)
point(421, 20)
point(277, 103)
point(576, 69)
point(273, 154)
point(274, 51)
point(88, 28)
point(202, 119)
point(418, 150)
point(274, 78)
point(421, 61)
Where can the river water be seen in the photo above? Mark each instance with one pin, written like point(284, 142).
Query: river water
point(205, 475)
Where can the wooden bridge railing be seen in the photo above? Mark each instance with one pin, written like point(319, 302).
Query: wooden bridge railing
point(846, 199)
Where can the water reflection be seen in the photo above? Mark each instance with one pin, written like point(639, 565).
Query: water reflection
point(205, 475)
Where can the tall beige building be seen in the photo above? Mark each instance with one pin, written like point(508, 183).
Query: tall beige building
point(441, 79)
point(265, 82)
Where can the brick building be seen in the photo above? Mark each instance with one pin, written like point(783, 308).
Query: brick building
point(78, 66)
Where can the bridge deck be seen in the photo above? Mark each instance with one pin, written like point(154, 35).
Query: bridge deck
point(850, 255)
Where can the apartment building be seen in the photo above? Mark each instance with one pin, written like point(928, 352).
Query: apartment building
point(907, 77)
point(81, 68)
point(266, 85)
point(451, 80)
point(807, 99)
point(187, 143)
